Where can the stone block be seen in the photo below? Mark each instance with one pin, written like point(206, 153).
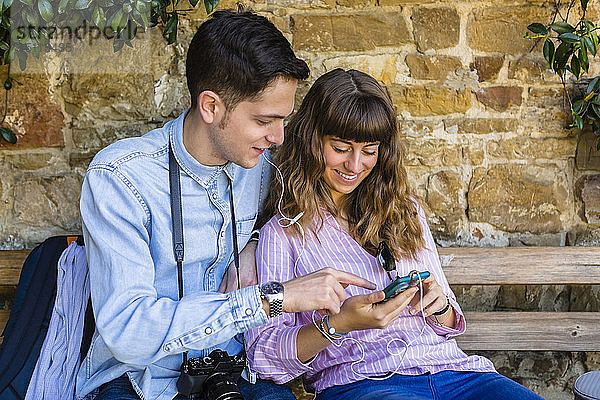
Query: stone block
point(589, 237)
point(354, 32)
point(500, 98)
point(48, 202)
point(110, 96)
point(487, 67)
point(414, 129)
point(29, 161)
point(445, 198)
point(532, 148)
point(480, 126)
point(404, 2)
point(590, 194)
point(476, 297)
point(501, 29)
point(381, 67)
point(531, 71)
point(436, 67)
point(430, 99)
point(354, 3)
point(33, 113)
point(435, 28)
point(587, 157)
point(440, 153)
point(93, 140)
point(519, 198)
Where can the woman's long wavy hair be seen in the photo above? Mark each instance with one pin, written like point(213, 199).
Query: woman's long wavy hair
point(350, 105)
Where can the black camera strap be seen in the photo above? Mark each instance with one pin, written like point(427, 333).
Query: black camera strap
point(177, 224)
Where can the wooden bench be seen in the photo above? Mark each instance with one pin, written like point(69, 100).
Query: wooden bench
point(559, 331)
point(562, 331)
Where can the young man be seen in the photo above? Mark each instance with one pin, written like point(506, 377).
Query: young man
point(242, 77)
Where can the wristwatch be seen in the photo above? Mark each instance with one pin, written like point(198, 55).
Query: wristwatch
point(273, 293)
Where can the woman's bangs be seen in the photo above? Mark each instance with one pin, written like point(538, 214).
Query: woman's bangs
point(363, 122)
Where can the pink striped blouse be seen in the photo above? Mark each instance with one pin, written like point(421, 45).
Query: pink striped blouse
point(272, 347)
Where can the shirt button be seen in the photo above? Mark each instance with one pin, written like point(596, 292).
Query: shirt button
point(248, 311)
point(215, 196)
point(210, 271)
point(208, 331)
point(223, 234)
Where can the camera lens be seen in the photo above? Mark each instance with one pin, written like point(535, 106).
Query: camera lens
point(221, 386)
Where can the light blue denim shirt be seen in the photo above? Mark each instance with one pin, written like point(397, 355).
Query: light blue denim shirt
point(142, 328)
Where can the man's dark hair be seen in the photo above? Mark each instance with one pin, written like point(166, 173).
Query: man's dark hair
point(237, 55)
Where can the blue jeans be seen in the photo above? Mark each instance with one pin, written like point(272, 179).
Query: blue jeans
point(121, 389)
point(446, 385)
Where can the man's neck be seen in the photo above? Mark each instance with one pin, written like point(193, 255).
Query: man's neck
point(196, 141)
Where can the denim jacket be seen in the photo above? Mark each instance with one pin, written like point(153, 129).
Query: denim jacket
point(142, 328)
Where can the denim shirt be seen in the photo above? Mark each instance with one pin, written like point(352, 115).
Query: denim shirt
point(142, 328)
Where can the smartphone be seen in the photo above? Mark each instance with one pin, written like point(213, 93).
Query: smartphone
point(400, 284)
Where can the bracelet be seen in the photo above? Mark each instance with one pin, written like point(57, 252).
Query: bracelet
point(443, 311)
point(327, 330)
point(331, 329)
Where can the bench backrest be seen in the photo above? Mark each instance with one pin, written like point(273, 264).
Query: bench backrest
point(561, 331)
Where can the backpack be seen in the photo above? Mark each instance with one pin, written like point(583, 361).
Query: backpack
point(29, 318)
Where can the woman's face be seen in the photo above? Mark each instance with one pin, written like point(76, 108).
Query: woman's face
point(347, 164)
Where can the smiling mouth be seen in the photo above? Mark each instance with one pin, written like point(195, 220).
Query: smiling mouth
point(347, 177)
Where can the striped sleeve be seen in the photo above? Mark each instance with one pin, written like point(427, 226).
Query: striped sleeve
point(272, 347)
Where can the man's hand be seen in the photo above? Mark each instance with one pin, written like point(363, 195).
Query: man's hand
point(320, 290)
point(247, 270)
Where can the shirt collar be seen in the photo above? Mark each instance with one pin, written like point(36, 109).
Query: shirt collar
point(203, 174)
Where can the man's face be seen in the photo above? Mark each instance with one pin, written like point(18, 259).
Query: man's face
point(243, 134)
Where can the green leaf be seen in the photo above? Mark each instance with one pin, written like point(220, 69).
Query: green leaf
point(578, 121)
point(596, 109)
point(8, 135)
point(561, 56)
point(62, 6)
point(584, 4)
point(569, 37)
point(549, 52)
point(27, 3)
point(82, 4)
point(118, 44)
point(577, 106)
point(592, 85)
point(170, 31)
point(4, 46)
point(22, 56)
point(45, 9)
point(193, 3)
point(117, 21)
point(575, 66)
point(589, 44)
point(561, 27)
point(535, 27)
point(583, 57)
point(99, 18)
point(210, 5)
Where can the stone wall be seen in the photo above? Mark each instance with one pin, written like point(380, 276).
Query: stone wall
point(484, 127)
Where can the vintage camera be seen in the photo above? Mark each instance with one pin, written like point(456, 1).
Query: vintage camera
point(213, 377)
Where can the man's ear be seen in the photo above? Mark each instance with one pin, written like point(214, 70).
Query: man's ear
point(210, 106)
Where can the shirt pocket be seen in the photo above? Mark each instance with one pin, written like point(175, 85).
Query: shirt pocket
point(244, 226)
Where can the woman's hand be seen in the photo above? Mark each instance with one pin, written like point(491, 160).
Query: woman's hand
point(434, 298)
point(360, 312)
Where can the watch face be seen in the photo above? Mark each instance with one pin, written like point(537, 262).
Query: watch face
point(272, 288)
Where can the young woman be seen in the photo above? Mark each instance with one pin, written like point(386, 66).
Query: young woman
point(346, 191)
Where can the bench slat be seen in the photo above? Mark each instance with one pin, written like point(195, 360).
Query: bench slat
point(558, 331)
point(522, 265)
point(553, 265)
point(11, 262)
